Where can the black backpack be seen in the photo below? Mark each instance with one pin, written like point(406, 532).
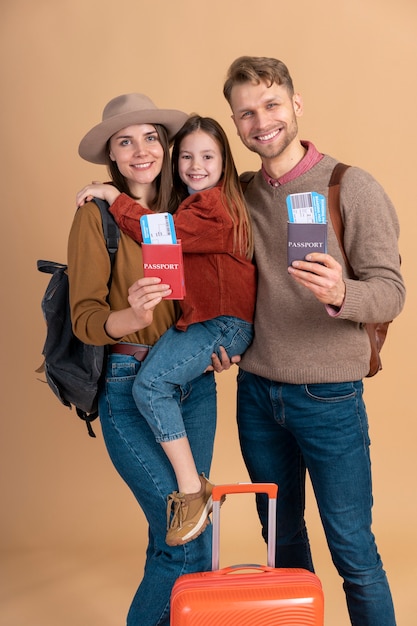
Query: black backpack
point(73, 369)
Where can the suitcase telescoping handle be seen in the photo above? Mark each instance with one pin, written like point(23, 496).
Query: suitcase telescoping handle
point(271, 489)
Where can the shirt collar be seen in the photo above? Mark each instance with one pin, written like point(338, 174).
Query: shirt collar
point(311, 158)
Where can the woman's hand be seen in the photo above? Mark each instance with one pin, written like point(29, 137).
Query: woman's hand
point(143, 297)
point(106, 192)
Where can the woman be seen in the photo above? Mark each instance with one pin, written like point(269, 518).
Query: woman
point(214, 227)
point(133, 140)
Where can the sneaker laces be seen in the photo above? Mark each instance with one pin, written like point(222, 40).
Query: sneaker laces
point(176, 507)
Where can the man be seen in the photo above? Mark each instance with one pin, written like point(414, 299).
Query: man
point(300, 402)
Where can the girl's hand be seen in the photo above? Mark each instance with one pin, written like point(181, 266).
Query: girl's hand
point(109, 193)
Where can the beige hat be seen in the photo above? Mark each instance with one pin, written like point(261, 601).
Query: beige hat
point(131, 108)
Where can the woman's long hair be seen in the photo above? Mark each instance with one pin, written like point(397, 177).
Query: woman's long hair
point(232, 194)
point(163, 181)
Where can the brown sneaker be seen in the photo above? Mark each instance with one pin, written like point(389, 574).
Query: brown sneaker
point(187, 514)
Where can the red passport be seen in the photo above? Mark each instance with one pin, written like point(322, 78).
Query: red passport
point(165, 261)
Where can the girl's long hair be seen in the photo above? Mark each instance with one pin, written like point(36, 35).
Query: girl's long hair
point(232, 195)
point(163, 181)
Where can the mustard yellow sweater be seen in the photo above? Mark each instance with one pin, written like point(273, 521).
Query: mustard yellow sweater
point(89, 271)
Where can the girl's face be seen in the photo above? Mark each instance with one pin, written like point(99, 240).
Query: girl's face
point(138, 154)
point(200, 163)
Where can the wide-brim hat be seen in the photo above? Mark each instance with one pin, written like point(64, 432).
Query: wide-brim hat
point(125, 110)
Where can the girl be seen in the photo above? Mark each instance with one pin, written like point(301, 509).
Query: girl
point(214, 227)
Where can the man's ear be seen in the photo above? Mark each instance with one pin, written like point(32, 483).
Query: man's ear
point(298, 104)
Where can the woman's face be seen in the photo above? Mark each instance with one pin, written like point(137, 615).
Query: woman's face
point(138, 154)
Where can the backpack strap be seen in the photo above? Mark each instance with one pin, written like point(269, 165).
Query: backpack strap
point(49, 267)
point(376, 331)
point(110, 228)
point(111, 232)
point(334, 209)
point(245, 179)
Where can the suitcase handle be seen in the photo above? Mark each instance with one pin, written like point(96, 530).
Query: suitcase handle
point(271, 489)
point(232, 569)
point(222, 490)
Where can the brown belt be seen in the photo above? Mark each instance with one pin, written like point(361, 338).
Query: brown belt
point(139, 352)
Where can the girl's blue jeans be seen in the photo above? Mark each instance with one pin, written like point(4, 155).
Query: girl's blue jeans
point(142, 464)
point(176, 359)
point(287, 429)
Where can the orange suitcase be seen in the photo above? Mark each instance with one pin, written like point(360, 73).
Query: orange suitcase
point(247, 595)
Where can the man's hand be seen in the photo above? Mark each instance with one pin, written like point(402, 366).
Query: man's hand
point(222, 364)
point(322, 275)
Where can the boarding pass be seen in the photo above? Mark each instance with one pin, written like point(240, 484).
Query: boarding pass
point(306, 208)
point(158, 228)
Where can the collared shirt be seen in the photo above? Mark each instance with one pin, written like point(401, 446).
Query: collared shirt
point(311, 158)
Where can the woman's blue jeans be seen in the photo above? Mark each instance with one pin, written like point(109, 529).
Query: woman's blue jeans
point(177, 358)
point(143, 465)
point(284, 430)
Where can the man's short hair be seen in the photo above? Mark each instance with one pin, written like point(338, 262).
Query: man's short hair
point(254, 70)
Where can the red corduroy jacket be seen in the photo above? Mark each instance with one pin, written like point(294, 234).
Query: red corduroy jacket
point(218, 281)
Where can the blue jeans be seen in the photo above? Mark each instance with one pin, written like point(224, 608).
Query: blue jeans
point(287, 429)
point(176, 359)
point(143, 465)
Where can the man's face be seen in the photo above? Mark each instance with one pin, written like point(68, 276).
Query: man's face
point(265, 117)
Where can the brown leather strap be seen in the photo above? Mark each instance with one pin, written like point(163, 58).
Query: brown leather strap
point(130, 349)
point(376, 331)
point(334, 209)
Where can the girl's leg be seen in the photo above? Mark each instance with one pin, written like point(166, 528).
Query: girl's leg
point(192, 504)
point(181, 458)
point(178, 358)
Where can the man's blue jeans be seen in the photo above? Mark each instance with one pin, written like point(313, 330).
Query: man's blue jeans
point(176, 359)
point(284, 430)
point(143, 465)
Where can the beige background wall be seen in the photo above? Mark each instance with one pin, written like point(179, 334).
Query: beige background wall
point(72, 538)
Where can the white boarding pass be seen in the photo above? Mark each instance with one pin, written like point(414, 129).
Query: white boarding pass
point(158, 228)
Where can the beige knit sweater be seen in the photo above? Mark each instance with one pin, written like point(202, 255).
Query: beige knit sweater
point(296, 340)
